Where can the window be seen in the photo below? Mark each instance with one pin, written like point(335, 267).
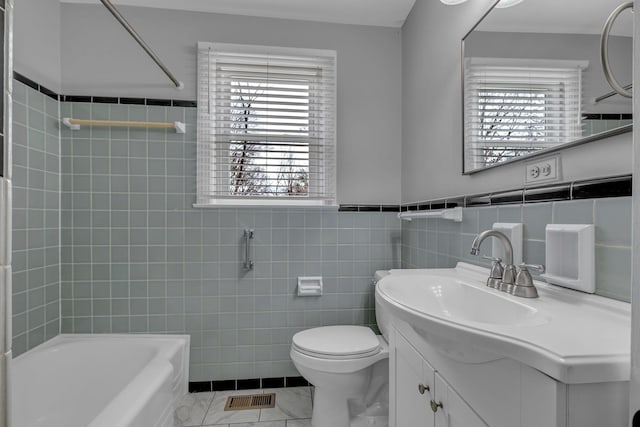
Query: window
point(266, 125)
point(512, 110)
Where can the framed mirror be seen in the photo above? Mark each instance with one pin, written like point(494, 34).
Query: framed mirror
point(533, 82)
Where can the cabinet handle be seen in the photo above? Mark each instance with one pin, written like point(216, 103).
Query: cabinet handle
point(435, 406)
point(422, 388)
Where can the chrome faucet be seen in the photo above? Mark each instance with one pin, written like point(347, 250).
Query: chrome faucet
point(520, 284)
point(508, 271)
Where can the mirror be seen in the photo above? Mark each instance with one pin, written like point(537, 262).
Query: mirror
point(533, 82)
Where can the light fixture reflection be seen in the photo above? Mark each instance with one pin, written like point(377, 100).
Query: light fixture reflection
point(452, 2)
point(507, 3)
point(501, 4)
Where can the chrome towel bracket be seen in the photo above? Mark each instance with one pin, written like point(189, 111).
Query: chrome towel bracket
point(248, 258)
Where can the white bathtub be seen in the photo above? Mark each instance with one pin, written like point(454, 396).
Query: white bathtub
point(100, 381)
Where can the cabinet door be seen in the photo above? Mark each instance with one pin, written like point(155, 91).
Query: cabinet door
point(411, 401)
point(451, 410)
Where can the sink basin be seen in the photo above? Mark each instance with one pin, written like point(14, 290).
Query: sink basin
point(463, 301)
point(455, 300)
point(570, 336)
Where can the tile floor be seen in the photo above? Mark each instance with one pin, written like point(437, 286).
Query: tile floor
point(293, 409)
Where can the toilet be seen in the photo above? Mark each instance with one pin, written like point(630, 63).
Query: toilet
point(349, 367)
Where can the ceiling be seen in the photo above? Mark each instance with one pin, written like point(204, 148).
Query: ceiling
point(385, 13)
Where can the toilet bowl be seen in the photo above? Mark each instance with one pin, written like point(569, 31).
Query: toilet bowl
point(349, 367)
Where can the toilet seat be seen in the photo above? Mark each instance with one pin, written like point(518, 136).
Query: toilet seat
point(337, 342)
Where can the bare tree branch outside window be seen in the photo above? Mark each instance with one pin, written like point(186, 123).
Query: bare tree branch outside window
point(269, 154)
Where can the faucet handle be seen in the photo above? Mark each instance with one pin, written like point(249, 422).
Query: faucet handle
point(495, 273)
point(523, 286)
point(526, 267)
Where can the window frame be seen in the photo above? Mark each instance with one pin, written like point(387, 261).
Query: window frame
point(321, 173)
point(570, 112)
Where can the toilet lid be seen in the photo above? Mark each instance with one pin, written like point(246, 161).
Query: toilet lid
point(331, 341)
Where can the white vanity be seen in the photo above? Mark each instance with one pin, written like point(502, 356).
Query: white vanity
point(464, 355)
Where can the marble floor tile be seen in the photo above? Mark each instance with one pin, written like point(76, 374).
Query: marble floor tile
point(191, 410)
point(299, 423)
point(291, 403)
point(261, 424)
point(217, 414)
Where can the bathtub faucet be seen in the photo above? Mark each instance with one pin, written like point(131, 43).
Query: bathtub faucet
point(502, 277)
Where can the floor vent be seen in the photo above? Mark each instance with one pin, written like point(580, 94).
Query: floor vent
point(250, 401)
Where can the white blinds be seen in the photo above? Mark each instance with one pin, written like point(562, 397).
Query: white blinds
point(511, 110)
point(266, 124)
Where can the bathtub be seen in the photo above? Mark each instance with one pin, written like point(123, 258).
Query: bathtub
point(100, 381)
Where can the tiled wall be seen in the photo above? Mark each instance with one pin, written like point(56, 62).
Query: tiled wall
point(440, 243)
point(137, 257)
point(36, 202)
point(595, 123)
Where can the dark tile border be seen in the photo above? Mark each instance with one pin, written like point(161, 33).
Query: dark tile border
point(619, 186)
point(103, 99)
point(369, 208)
point(246, 384)
point(295, 382)
point(33, 85)
point(606, 116)
point(250, 384)
point(598, 188)
point(223, 385)
point(199, 386)
point(272, 382)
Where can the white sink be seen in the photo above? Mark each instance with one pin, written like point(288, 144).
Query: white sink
point(459, 300)
point(571, 336)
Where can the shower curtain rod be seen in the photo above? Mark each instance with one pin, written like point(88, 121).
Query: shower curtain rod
point(121, 19)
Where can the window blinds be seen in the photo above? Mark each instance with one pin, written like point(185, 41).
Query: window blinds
point(515, 110)
point(266, 124)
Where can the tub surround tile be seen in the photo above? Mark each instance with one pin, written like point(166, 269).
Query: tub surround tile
point(36, 210)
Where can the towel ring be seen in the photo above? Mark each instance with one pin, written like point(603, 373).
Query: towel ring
point(604, 49)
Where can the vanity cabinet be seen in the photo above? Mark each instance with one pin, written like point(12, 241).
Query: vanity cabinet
point(454, 411)
point(469, 388)
point(421, 397)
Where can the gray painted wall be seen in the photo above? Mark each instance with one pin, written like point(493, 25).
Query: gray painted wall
point(100, 58)
point(36, 41)
point(432, 118)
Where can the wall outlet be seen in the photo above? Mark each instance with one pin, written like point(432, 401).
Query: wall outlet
point(545, 170)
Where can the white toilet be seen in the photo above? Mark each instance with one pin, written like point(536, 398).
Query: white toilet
point(349, 367)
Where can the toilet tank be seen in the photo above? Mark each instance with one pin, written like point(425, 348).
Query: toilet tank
point(382, 319)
